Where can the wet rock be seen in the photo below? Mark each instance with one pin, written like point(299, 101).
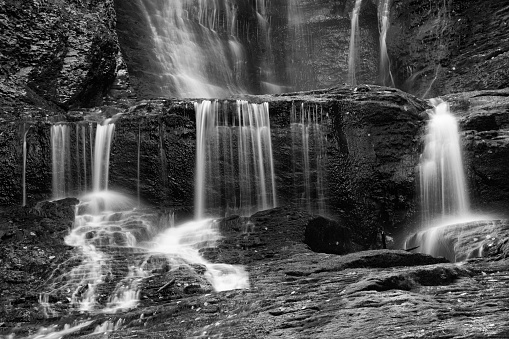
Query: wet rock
point(484, 120)
point(32, 247)
point(440, 48)
point(461, 241)
point(62, 53)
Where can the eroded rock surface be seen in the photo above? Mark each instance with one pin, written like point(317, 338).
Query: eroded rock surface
point(296, 293)
point(439, 47)
point(56, 54)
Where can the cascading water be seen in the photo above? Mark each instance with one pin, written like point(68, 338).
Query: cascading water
point(103, 137)
point(241, 179)
point(309, 156)
point(23, 175)
point(196, 62)
point(442, 179)
point(443, 191)
point(116, 245)
point(268, 84)
point(385, 75)
point(60, 150)
point(353, 54)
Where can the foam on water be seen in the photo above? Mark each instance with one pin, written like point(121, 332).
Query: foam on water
point(185, 241)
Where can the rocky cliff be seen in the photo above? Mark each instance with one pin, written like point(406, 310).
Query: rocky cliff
point(440, 47)
point(56, 54)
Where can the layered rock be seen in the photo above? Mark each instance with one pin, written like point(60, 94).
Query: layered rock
point(57, 54)
point(439, 47)
point(371, 139)
point(31, 249)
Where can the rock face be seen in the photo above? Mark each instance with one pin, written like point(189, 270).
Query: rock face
point(484, 120)
point(61, 53)
point(31, 248)
point(371, 137)
point(439, 47)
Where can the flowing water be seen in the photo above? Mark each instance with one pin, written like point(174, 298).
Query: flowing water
point(234, 164)
point(446, 215)
point(118, 246)
point(196, 61)
point(353, 54)
point(442, 179)
point(309, 156)
point(60, 146)
point(23, 175)
point(385, 75)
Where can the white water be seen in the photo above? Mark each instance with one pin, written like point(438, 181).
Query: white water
point(241, 179)
point(182, 245)
point(449, 227)
point(100, 171)
point(385, 75)
point(114, 242)
point(309, 156)
point(195, 60)
point(442, 179)
point(353, 54)
point(60, 152)
point(23, 178)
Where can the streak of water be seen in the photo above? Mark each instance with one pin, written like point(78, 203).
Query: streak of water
point(353, 54)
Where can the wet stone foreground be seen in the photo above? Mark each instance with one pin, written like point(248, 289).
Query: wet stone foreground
point(294, 292)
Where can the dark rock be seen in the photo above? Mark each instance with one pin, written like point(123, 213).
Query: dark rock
point(408, 279)
point(484, 120)
point(328, 236)
point(62, 54)
point(32, 247)
point(438, 48)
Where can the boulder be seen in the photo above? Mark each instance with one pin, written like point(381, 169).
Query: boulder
point(463, 240)
point(328, 236)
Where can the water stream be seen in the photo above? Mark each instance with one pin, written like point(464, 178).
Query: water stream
point(60, 146)
point(447, 221)
point(353, 54)
point(116, 241)
point(232, 179)
point(385, 75)
point(309, 156)
point(195, 60)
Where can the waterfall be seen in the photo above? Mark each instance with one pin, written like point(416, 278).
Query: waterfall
point(23, 174)
point(196, 61)
point(309, 156)
point(118, 246)
point(138, 165)
point(442, 179)
point(267, 69)
point(60, 151)
point(239, 180)
point(447, 221)
point(385, 75)
point(100, 172)
point(353, 54)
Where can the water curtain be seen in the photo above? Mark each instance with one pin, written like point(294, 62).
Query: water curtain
point(234, 164)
